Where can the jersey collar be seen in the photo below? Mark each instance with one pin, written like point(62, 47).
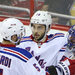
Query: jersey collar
point(7, 45)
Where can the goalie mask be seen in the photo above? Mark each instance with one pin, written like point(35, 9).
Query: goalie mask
point(42, 18)
point(10, 27)
point(71, 38)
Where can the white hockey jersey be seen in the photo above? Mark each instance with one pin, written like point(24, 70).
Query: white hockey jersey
point(47, 53)
point(17, 61)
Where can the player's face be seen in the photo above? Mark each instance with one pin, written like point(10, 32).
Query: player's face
point(14, 38)
point(38, 31)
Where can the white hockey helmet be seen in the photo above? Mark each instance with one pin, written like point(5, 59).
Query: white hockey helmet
point(42, 17)
point(10, 27)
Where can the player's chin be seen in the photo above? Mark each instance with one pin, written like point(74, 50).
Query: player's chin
point(37, 38)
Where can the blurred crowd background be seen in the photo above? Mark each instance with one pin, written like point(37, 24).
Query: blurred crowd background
point(66, 7)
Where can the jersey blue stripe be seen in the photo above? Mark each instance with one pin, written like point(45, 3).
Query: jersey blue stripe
point(59, 33)
point(13, 55)
point(22, 51)
point(26, 41)
point(62, 50)
point(55, 37)
point(27, 37)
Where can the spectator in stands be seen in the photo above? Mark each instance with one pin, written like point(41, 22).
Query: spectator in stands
point(6, 2)
point(58, 6)
point(55, 20)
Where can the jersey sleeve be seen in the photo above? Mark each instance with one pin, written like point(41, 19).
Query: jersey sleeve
point(61, 53)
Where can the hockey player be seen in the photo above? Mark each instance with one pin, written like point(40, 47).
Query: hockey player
point(67, 64)
point(45, 48)
point(14, 60)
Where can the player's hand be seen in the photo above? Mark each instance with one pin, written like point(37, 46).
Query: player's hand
point(52, 70)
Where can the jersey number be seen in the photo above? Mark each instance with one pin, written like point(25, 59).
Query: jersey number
point(1, 71)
